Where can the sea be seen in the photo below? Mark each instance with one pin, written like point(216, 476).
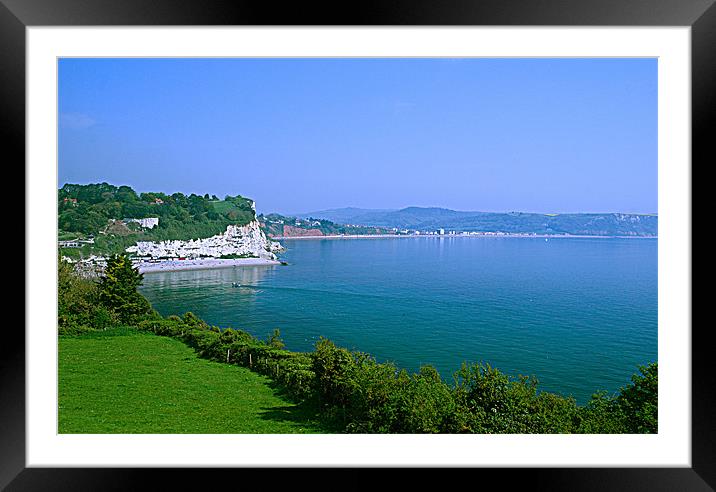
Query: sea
point(579, 314)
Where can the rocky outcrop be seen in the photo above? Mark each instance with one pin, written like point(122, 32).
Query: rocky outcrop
point(291, 231)
point(236, 241)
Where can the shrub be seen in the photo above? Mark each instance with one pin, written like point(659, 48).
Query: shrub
point(639, 401)
point(601, 415)
point(118, 289)
point(423, 403)
point(333, 368)
point(71, 328)
point(103, 318)
point(553, 414)
point(275, 339)
point(78, 303)
point(192, 319)
point(369, 391)
point(482, 392)
point(490, 402)
point(165, 327)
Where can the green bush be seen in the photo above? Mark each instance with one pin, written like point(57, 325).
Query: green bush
point(71, 329)
point(370, 387)
point(489, 401)
point(483, 395)
point(118, 289)
point(274, 339)
point(639, 401)
point(423, 404)
point(553, 414)
point(79, 308)
point(601, 415)
point(191, 319)
point(333, 368)
point(103, 318)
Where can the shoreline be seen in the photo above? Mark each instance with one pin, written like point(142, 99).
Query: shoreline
point(381, 236)
point(212, 263)
point(202, 264)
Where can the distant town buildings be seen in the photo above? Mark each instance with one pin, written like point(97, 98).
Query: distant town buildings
point(75, 243)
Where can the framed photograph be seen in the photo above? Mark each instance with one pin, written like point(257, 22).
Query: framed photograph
point(428, 186)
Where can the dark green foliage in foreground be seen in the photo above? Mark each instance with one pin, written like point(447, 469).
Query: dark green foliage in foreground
point(373, 397)
point(78, 308)
point(86, 304)
point(118, 289)
point(354, 392)
point(376, 397)
point(639, 401)
point(491, 402)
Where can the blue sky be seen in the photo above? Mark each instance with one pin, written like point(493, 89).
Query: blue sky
point(299, 135)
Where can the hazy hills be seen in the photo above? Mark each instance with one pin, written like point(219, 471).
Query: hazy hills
point(345, 215)
point(426, 219)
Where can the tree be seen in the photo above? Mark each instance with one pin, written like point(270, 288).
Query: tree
point(118, 289)
point(640, 400)
point(78, 306)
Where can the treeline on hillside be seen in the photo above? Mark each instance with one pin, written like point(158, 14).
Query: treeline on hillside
point(355, 391)
point(94, 209)
point(273, 225)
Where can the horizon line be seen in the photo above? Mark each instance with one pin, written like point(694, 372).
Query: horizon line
point(295, 214)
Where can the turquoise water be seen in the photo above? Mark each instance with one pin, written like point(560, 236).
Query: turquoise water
point(579, 313)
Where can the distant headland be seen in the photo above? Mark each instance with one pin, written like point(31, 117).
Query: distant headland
point(164, 232)
point(442, 221)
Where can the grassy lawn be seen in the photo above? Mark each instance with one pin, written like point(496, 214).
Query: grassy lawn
point(124, 381)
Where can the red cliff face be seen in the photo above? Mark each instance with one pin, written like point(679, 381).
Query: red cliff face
point(291, 231)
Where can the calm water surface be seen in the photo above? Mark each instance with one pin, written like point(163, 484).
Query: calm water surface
point(579, 313)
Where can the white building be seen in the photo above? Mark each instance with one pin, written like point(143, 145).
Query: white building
point(148, 223)
point(247, 240)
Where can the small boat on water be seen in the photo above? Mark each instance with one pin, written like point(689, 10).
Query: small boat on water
point(235, 284)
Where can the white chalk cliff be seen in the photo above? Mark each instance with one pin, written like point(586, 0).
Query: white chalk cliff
point(248, 240)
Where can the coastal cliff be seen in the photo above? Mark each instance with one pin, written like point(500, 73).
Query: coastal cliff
point(247, 241)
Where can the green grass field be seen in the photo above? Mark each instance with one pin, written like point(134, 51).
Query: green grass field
point(124, 381)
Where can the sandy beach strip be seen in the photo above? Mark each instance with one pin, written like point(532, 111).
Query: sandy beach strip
point(202, 264)
point(390, 236)
point(345, 236)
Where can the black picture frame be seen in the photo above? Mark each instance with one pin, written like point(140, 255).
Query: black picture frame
point(700, 15)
